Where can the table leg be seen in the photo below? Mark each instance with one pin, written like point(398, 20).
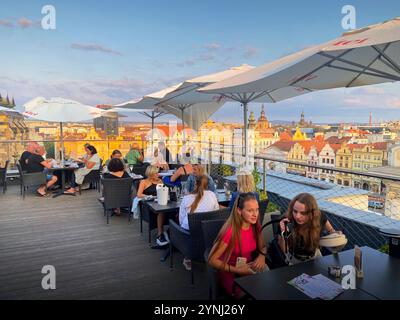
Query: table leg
point(62, 186)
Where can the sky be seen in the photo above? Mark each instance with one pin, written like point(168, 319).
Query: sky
point(107, 52)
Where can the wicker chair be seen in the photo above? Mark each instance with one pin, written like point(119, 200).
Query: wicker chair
point(93, 178)
point(147, 216)
point(211, 229)
point(191, 243)
point(262, 205)
point(30, 179)
point(117, 194)
point(3, 176)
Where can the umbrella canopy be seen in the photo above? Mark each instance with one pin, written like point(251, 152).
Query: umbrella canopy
point(3, 109)
point(193, 107)
point(60, 110)
point(360, 57)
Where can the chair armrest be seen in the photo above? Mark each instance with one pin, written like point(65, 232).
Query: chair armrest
point(180, 238)
point(34, 178)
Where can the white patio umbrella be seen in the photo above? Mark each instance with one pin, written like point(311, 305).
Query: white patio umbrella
point(361, 57)
point(193, 107)
point(147, 107)
point(60, 110)
point(3, 109)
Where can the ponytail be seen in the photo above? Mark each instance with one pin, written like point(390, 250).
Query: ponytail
point(200, 187)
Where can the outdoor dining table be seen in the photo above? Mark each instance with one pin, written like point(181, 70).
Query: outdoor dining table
point(381, 278)
point(62, 170)
point(173, 207)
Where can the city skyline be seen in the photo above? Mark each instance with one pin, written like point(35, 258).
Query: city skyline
point(100, 53)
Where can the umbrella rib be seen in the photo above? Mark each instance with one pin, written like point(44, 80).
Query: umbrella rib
point(320, 67)
point(354, 64)
point(393, 78)
point(373, 61)
point(193, 87)
point(392, 64)
point(231, 96)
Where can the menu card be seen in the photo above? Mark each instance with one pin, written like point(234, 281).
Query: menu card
point(317, 287)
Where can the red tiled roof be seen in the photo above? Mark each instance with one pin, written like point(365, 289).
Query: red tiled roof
point(380, 145)
point(283, 145)
point(335, 146)
point(337, 140)
point(284, 136)
point(307, 145)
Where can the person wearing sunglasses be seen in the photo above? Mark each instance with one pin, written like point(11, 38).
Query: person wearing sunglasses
point(308, 224)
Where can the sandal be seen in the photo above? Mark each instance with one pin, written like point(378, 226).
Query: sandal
point(40, 194)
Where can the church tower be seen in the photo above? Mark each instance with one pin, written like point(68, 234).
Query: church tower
point(252, 121)
point(262, 123)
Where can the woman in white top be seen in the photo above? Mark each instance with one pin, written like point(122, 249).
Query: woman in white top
point(159, 161)
point(201, 200)
point(92, 162)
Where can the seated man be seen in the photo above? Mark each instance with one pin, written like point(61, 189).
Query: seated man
point(134, 156)
point(198, 171)
point(36, 163)
point(30, 149)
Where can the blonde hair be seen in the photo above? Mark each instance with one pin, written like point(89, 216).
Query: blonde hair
point(151, 170)
point(245, 182)
point(200, 168)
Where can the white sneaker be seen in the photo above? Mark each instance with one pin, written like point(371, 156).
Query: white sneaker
point(166, 236)
point(187, 263)
point(161, 241)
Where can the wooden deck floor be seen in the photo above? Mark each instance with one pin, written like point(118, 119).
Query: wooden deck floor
point(92, 260)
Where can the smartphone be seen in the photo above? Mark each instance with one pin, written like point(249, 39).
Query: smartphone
point(240, 261)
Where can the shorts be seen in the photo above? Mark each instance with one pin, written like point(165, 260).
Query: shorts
point(49, 177)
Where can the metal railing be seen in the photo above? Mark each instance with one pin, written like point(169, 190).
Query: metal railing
point(358, 203)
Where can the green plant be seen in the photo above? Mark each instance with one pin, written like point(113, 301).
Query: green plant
point(262, 193)
point(384, 248)
point(50, 151)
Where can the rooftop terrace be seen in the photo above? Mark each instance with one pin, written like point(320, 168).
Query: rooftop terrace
point(92, 260)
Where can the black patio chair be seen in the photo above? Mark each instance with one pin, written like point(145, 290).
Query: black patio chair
point(262, 209)
point(191, 243)
point(117, 193)
point(3, 176)
point(211, 228)
point(140, 169)
point(93, 179)
point(30, 179)
point(147, 216)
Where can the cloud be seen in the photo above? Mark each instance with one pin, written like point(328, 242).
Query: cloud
point(207, 57)
point(6, 23)
point(94, 47)
point(93, 92)
point(27, 23)
point(250, 52)
point(212, 46)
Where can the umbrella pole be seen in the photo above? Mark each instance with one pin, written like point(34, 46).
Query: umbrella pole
point(245, 110)
point(62, 142)
point(183, 127)
point(152, 130)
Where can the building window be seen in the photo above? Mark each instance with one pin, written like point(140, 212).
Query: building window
point(332, 162)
